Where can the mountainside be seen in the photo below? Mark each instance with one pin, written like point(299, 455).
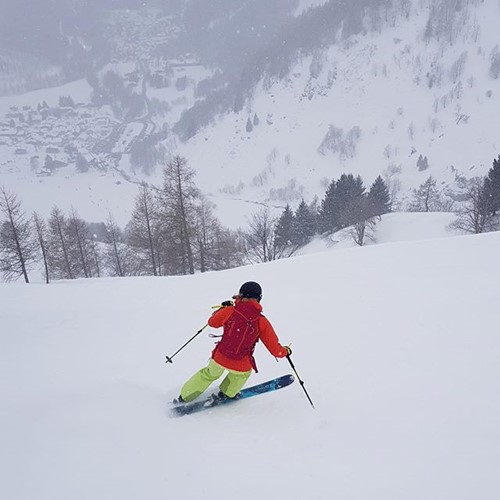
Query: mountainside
point(396, 102)
point(19, 73)
point(269, 113)
point(397, 345)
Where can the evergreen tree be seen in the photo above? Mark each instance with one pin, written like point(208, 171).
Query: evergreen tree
point(283, 234)
point(422, 163)
point(327, 213)
point(379, 200)
point(341, 206)
point(349, 191)
point(304, 224)
point(49, 163)
point(492, 187)
point(17, 245)
point(66, 101)
point(249, 126)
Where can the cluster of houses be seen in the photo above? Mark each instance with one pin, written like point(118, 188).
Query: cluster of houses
point(51, 138)
point(137, 34)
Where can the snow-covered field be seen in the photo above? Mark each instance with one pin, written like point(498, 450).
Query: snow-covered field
point(398, 346)
point(392, 228)
point(79, 88)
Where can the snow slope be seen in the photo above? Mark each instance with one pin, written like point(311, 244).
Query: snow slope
point(381, 85)
point(80, 89)
point(397, 344)
point(392, 228)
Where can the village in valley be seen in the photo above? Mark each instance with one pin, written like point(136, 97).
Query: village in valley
point(42, 139)
point(79, 131)
point(51, 138)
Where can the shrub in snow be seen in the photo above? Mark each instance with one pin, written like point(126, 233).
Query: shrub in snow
point(457, 68)
point(495, 63)
point(429, 198)
point(288, 193)
point(475, 215)
point(336, 141)
point(422, 163)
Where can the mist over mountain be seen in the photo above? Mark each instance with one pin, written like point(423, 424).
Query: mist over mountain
point(267, 105)
point(69, 35)
point(240, 38)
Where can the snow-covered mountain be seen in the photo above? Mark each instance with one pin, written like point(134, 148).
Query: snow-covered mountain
point(397, 344)
point(373, 104)
point(408, 90)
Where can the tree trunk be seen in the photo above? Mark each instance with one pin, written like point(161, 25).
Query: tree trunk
point(18, 245)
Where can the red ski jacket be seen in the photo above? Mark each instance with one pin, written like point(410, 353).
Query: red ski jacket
point(266, 334)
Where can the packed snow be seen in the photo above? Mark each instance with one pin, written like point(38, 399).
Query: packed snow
point(397, 344)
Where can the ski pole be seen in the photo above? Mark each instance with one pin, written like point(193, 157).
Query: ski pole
point(224, 304)
point(169, 358)
point(299, 379)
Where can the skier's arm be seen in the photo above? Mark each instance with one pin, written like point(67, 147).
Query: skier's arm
point(270, 339)
point(220, 316)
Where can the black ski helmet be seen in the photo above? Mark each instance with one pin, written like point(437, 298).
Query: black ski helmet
point(251, 290)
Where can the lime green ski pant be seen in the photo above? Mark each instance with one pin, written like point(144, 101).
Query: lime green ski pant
point(199, 382)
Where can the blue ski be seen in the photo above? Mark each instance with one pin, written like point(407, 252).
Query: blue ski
point(205, 404)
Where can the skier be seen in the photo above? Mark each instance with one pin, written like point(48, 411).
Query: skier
point(244, 326)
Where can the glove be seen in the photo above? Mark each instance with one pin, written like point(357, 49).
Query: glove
point(227, 303)
point(288, 350)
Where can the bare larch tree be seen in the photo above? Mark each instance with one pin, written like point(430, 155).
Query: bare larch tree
point(17, 245)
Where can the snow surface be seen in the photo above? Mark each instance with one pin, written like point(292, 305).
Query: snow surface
point(304, 5)
point(398, 346)
point(80, 89)
point(393, 227)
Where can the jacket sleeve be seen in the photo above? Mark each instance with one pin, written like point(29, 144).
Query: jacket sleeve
point(220, 316)
point(270, 339)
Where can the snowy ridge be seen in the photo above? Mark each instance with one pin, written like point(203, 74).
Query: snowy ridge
point(397, 345)
point(392, 228)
